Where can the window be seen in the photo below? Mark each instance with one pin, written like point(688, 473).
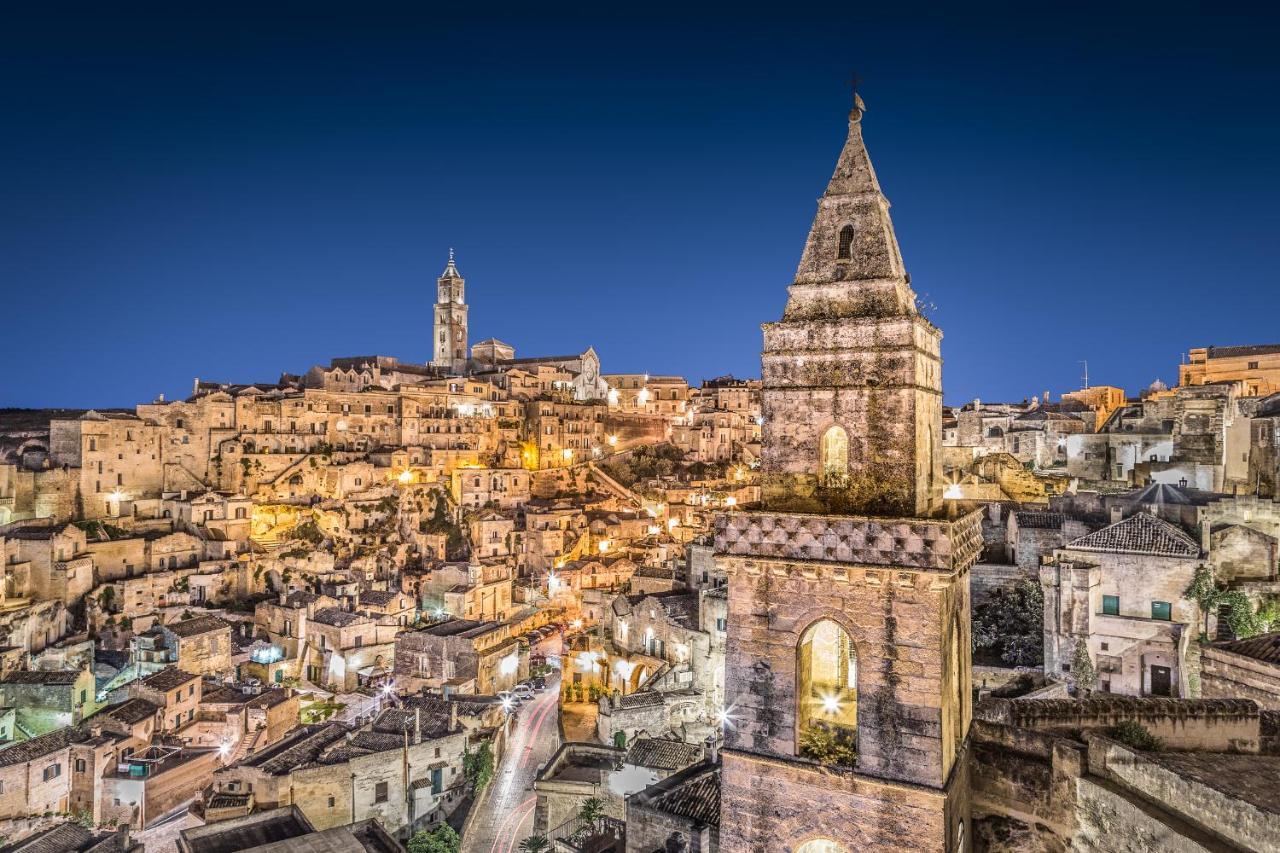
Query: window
point(827, 682)
point(1111, 605)
point(1162, 610)
point(380, 793)
point(83, 696)
point(79, 765)
point(1253, 365)
point(834, 453)
point(845, 249)
point(332, 802)
point(53, 771)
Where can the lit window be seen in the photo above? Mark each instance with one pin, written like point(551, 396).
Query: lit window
point(834, 452)
point(827, 689)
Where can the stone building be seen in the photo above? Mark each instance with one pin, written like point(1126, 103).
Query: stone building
point(202, 644)
point(48, 700)
point(503, 488)
point(1257, 368)
point(404, 770)
point(1119, 590)
point(465, 655)
point(450, 339)
point(848, 635)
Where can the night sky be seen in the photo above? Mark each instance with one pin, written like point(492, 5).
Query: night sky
point(231, 194)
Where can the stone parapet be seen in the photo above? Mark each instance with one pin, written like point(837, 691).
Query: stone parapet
point(908, 543)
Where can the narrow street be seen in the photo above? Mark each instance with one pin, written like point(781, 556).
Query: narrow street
point(504, 813)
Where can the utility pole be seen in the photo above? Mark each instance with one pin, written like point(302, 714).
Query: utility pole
point(1086, 374)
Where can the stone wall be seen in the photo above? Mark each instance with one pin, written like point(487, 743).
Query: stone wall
point(1224, 674)
point(1219, 725)
point(984, 578)
point(769, 805)
point(1171, 782)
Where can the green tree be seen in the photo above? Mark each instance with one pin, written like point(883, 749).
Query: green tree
point(1241, 619)
point(1010, 624)
point(1136, 735)
point(1204, 591)
point(535, 844)
point(478, 766)
point(1082, 668)
point(592, 810)
point(442, 839)
point(620, 740)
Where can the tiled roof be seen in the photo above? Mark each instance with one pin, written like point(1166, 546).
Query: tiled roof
point(1040, 520)
point(693, 794)
point(38, 747)
point(432, 722)
point(197, 625)
point(1239, 352)
point(336, 617)
point(643, 699)
point(378, 597)
point(662, 753)
point(40, 676)
point(304, 746)
point(132, 711)
point(168, 678)
point(681, 607)
point(1141, 533)
point(1264, 647)
point(63, 838)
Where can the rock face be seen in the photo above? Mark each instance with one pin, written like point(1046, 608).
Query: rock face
point(849, 533)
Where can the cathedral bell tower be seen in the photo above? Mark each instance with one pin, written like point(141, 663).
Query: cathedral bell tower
point(451, 320)
point(848, 635)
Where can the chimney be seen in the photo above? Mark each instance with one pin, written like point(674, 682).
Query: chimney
point(1117, 514)
point(453, 715)
point(417, 723)
point(713, 749)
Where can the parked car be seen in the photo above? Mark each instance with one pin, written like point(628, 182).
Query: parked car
point(523, 690)
point(538, 683)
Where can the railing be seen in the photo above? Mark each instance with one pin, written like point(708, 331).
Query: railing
point(578, 836)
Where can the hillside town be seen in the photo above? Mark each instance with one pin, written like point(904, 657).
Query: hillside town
point(498, 601)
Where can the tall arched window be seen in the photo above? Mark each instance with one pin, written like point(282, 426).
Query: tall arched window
point(827, 693)
point(845, 251)
point(834, 452)
point(820, 845)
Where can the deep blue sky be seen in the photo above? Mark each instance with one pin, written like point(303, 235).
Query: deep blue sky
point(233, 193)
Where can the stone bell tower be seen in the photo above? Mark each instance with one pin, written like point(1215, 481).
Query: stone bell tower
point(451, 320)
point(848, 634)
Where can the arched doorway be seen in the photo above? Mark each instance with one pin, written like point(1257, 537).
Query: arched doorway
point(833, 468)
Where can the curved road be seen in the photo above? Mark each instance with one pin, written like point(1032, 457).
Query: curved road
point(504, 813)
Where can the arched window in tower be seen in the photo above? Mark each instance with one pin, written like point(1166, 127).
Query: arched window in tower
point(820, 845)
point(827, 694)
point(833, 465)
point(845, 251)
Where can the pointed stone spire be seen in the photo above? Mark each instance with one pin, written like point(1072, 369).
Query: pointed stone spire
point(852, 374)
point(852, 239)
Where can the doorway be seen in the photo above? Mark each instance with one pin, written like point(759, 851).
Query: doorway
point(1161, 681)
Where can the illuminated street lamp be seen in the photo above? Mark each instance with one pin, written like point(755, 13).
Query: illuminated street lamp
point(406, 477)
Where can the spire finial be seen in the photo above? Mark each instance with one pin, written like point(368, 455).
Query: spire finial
point(450, 254)
point(859, 107)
